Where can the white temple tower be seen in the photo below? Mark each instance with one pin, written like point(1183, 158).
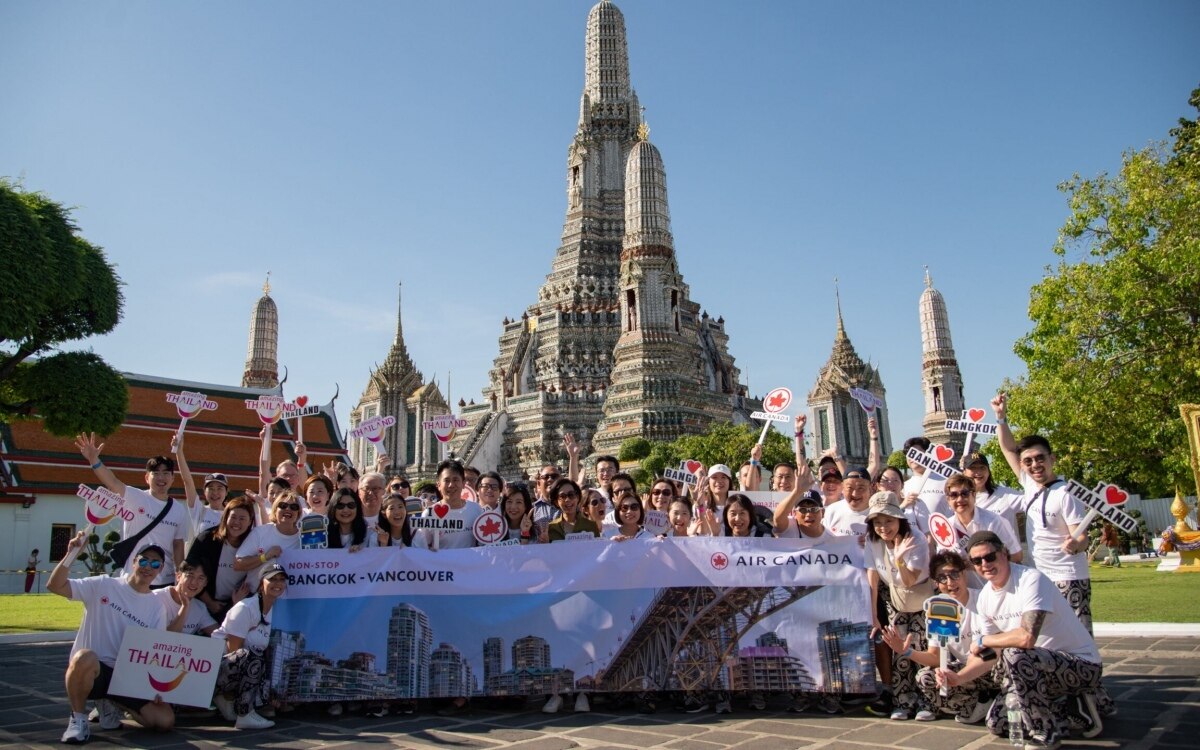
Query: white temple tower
point(262, 366)
point(940, 376)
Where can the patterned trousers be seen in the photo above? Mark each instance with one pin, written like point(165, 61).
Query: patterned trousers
point(962, 700)
point(1079, 595)
point(905, 692)
point(243, 675)
point(1039, 677)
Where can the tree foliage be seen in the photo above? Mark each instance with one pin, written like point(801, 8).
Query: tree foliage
point(724, 443)
point(97, 554)
point(57, 287)
point(1115, 344)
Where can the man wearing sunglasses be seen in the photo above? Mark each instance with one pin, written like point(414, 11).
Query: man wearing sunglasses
point(1048, 655)
point(1053, 519)
point(545, 511)
point(110, 605)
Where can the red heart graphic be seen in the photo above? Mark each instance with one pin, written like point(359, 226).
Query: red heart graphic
point(1114, 495)
point(943, 453)
point(975, 414)
point(440, 510)
point(301, 401)
point(693, 466)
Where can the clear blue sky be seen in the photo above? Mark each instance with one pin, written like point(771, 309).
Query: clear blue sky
point(347, 146)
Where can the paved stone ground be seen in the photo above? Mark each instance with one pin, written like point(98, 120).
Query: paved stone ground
point(1156, 682)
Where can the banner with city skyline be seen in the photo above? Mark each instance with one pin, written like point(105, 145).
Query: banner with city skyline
point(671, 614)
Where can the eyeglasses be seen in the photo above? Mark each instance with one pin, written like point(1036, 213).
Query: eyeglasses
point(489, 487)
point(988, 558)
point(568, 495)
point(339, 506)
point(145, 562)
point(598, 501)
point(372, 489)
point(630, 507)
point(890, 480)
point(957, 495)
point(949, 575)
point(295, 507)
point(1039, 458)
point(548, 477)
point(623, 491)
point(661, 493)
point(809, 510)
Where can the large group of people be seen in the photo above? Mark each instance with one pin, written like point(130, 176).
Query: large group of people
point(209, 565)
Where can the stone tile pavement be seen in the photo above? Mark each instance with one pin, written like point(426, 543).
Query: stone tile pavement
point(1155, 680)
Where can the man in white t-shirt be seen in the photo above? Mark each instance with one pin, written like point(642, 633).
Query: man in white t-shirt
point(1046, 652)
point(170, 531)
point(1053, 518)
point(849, 517)
point(110, 605)
point(451, 510)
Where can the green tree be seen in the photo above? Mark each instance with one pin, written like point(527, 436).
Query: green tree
point(1115, 344)
point(634, 449)
point(57, 288)
point(896, 460)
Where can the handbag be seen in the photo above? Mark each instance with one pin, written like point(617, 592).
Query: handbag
point(121, 551)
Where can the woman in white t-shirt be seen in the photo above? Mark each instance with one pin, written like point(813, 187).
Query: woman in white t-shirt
point(216, 549)
point(190, 581)
point(245, 674)
point(317, 490)
point(990, 496)
point(393, 530)
point(969, 703)
point(630, 516)
point(899, 556)
point(265, 543)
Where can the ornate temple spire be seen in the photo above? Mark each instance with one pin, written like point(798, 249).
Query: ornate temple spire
point(647, 216)
point(606, 55)
point(941, 379)
point(262, 367)
point(399, 340)
point(841, 327)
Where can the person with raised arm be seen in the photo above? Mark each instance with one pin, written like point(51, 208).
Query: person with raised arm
point(802, 482)
point(165, 522)
point(1053, 518)
point(875, 459)
point(1046, 653)
point(110, 606)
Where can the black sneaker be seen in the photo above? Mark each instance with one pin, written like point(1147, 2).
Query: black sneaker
point(1081, 717)
point(881, 706)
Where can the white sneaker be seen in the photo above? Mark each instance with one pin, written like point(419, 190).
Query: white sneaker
point(723, 707)
point(253, 721)
point(225, 706)
point(77, 730)
point(581, 703)
point(926, 715)
point(901, 714)
point(110, 715)
point(553, 705)
point(979, 713)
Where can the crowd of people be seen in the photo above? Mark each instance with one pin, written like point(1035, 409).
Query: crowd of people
point(210, 566)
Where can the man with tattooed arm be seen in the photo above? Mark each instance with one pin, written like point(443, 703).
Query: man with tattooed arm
point(1050, 661)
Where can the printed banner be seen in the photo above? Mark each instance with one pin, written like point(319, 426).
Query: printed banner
point(714, 614)
point(180, 668)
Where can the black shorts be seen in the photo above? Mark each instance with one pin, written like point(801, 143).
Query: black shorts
point(100, 690)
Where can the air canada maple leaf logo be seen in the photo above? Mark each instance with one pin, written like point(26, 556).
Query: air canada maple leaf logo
point(719, 560)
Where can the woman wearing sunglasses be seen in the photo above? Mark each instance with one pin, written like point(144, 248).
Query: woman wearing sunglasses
point(347, 524)
point(565, 494)
point(630, 515)
point(969, 703)
point(969, 518)
point(265, 543)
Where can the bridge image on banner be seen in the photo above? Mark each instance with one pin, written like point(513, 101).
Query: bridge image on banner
point(496, 625)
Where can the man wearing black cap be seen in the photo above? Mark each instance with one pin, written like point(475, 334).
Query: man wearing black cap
point(110, 605)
